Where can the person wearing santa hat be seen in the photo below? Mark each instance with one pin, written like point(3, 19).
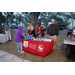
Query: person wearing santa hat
point(74, 32)
point(28, 24)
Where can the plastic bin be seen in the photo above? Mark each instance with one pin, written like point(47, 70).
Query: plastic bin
point(29, 37)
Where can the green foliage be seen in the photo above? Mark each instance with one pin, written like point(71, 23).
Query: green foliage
point(68, 23)
point(25, 17)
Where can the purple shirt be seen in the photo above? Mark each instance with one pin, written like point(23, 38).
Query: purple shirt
point(18, 34)
point(69, 37)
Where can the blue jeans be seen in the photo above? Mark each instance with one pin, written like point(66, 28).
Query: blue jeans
point(19, 46)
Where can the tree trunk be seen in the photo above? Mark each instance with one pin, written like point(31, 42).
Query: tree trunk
point(34, 20)
point(1, 30)
point(72, 23)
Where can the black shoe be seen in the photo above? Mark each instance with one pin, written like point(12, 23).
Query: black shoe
point(10, 40)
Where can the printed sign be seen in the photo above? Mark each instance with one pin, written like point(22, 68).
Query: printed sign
point(33, 46)
point(25, 44)
point(40, 48)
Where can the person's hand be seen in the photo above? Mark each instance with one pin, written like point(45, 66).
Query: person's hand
point(71, 39)
point(32, 35)
point(41, 28)
point(8, 31)
point(5, 28)
point(47, 35)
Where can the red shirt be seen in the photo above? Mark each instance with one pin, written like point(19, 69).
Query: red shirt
point(40, 30)
point(30, 32)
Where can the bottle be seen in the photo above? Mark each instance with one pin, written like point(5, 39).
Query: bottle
point(33, 38)
point(23, 34)
point(24, 37)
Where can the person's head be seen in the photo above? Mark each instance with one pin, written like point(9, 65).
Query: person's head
point(5, 23)
point(52, 21)
point(20, 28)
point(70, 32)
point(30, 27)
point(39, 23)
point(28, 24)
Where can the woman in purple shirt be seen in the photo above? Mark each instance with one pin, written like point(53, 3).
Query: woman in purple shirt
point(18, 38)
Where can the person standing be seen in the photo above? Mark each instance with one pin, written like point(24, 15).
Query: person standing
point(31, 31)
point(18, 39)
point(53, 31)
point(7, 30)
point(41, 30)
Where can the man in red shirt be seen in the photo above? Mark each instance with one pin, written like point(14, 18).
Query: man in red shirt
point(41, 30)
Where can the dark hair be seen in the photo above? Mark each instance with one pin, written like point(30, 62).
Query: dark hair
point(6, 23)
point(69, 32)
point(39, 22)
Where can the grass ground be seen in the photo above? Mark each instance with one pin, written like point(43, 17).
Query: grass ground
point(56, 55)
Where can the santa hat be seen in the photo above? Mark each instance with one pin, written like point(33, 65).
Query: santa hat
point(28, 24)
point(74, 31)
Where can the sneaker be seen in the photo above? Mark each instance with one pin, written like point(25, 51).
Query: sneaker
point(18, 51)
point(22, 51)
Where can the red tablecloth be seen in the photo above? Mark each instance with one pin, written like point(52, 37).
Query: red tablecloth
point(41, 48)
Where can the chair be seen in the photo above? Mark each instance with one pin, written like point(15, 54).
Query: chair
point(70, 53)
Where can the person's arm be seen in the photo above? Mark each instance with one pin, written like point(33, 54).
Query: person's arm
point(33, 32)
point(9, 29)
point(68, 38)
point(4, 27)
point(21, 35)
point(57, 31)
point(48, 31)
point(28, 31)
point(44, 28)
point(32, 35)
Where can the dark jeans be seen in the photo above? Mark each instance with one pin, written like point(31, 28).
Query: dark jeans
point(69, 45)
